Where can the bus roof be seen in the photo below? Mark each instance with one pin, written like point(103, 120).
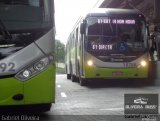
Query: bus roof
point(115, 12)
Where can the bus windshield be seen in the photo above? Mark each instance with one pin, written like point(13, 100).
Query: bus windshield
point(116, 35)
point(23, 22)
point(25, 14)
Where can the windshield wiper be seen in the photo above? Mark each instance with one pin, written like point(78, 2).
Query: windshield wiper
point(7, 36)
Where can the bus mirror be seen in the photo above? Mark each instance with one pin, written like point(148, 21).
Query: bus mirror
point(82, 28)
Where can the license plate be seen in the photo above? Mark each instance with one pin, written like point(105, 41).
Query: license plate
point(117, 73)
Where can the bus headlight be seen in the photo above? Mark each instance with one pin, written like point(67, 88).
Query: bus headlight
point(34, 69)
point(90, 63)
point(41, 64)
point(143, 63)
point(26, 73)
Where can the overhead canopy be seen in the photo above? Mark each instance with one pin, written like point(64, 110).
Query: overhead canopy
point(150, 8)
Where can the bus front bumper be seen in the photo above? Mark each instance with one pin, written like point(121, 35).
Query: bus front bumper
point(37, 90)
point(116, 73)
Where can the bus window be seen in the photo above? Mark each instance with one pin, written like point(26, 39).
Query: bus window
point(34, 3)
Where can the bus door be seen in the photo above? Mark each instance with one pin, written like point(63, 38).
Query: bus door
point(81, 54)
point(82, 41)
point(76, 51)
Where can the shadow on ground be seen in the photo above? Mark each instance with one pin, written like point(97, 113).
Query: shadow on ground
point(127, 83)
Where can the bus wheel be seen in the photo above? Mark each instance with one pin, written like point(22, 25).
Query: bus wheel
point(73, 78)
point(150, 81)
point(68, 76)
point(82, 81)
point(44, 107)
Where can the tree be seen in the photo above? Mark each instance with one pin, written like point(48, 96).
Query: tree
point(60, 51)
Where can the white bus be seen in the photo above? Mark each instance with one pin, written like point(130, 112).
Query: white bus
point(108, 44)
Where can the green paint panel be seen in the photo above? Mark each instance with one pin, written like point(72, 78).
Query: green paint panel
point(8, 88)
point(41, 89)
point(113, 73)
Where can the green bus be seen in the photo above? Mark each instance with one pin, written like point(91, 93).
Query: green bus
point(108, 44)
point(27, 39)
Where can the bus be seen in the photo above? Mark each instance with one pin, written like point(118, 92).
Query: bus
point(27, 40)
point(108, 43)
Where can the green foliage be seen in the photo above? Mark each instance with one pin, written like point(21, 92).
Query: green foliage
point(60, 51)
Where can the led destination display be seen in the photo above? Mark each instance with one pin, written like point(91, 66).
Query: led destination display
point(116, 21)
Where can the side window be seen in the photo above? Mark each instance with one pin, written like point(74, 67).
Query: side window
point(77, 34)
point(34, 3)
point(73, 40)
point(47, 10)
point(12, 2)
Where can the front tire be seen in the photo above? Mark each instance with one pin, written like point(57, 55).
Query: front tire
point(44, 107)
point(83, 82)
point(73, 78)
point(150, 81)
point(68, 76)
